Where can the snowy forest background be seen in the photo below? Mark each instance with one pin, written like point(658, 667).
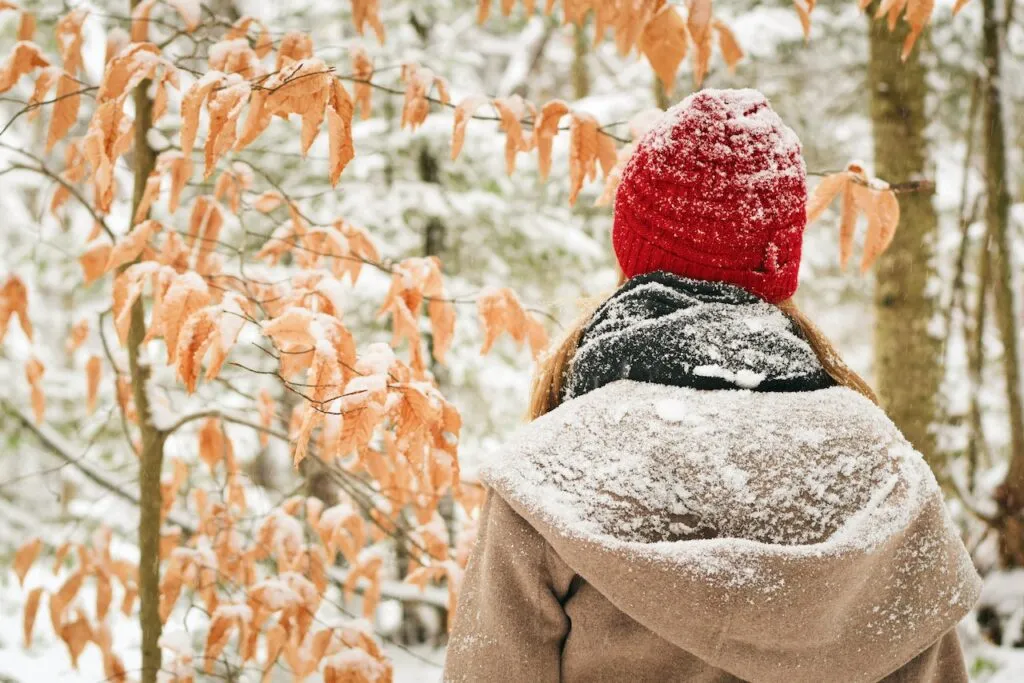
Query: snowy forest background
point(928, 326)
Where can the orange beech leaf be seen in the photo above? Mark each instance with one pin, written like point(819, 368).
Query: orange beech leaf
point(34, 370)
point(294, 47)
point(235, 57)
point(614, 176)
point(501, 311)
point(266, 409)
point(29, 619)
point(362, 72)
point(440, 310)
point(803, 10)
point(79, 333)
point(25, 58)
point(117, 40)
point(205, 224)
point(187, 294)
point(859, 194)
point(68, 34)
point(257, 119)
point(882, 209)
point(463, 113)
point(59, 555)
point(140, 20)
point(827, 190)
point(545, 131)
point(442, 323)
point(76, 635)
point(149, 195)
point(74, 171)
point(119, 70)
point(276, 639)
point(732, 53)
point(131, 66)
point(891, 9)
point(583, 149)
point(415, 107)
point(26, 26)
point(225, 619)
point(174, 253)
point(224, 105)
point(191, 103)
point(128, 600)
point(263, 44)
point(301, 88)
point(14, 301)
point(339, 129)
point(104, 595)
point(132, 244)
point(60, 600)
point(698, 24)
point(214, 444)
point(698, 19)
point(664, 42)
point(511, 111)
point(93, 370)
point(65, 110)
point(368, 12)
point(293, 327)
point(483, 9)
point(355, 665)
point(847, 220)
point(959, 5)
point(268, 201)
point(607, 155)
point(190, 12)
point(919, 13)
point(24, 557)
point(45, 81)
point(360, 247)
point(127, 288)
point(160, 100)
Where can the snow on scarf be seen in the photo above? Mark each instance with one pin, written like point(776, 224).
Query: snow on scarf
point(665, 329)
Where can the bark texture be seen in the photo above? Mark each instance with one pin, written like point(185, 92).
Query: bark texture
point(908, 357)
point(152, 456)
point(1010, 496)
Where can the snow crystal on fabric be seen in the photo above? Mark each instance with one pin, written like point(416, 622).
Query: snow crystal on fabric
point(650, 463)
point(780, 536)
point(752, 126)
point(671, 330)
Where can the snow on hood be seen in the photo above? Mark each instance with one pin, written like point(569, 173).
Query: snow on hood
point(777, 536)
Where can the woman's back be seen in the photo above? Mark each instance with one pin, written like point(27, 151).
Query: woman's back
point(708, 493)
point(707, 534)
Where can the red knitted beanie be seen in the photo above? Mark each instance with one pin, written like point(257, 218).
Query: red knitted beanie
point(716, 190)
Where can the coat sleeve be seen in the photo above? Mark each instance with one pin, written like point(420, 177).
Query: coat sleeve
point(509, 623)
point(943, 662)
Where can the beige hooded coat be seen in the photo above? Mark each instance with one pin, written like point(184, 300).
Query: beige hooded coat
point(644, 532)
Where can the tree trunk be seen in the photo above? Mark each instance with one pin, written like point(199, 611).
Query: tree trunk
point(997, 219)
point(152, 456)
point(908, 357)
point(580, 70)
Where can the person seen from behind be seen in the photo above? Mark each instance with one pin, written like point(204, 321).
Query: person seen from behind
point(706, 493)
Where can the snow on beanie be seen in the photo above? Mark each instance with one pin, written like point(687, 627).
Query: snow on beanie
point(716, 190)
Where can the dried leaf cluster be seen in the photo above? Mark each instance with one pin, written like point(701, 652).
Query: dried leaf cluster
point(374, 420)
point(859, 195)
point(656, 27)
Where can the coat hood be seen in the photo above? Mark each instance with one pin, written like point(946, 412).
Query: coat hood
point(782, 537)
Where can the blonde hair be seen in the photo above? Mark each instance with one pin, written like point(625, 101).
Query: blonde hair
point(549, 378)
